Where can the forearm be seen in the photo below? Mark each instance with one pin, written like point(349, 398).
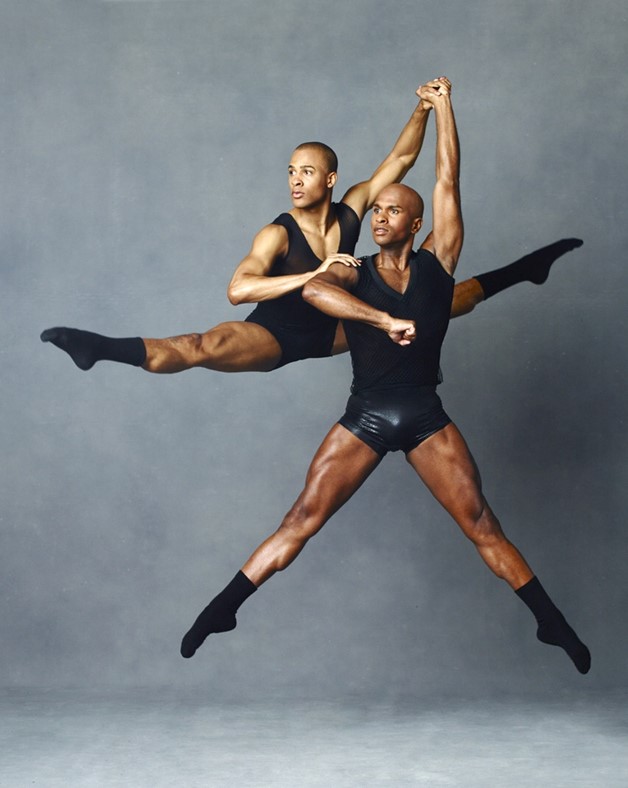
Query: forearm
point(408, 146)
point(336, 302)
point(447, 144)
point(252, 288)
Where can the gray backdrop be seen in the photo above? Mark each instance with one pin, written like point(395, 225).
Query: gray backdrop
point(143, 144)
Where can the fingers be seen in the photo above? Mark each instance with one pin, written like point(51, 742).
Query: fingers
point(345, 259)
point(403, 332)
point(441, 86)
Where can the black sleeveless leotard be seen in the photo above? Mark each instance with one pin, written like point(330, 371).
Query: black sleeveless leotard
point(301, 330)
point(394, 404)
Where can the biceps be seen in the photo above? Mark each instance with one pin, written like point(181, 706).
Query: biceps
point(341, 276)
point(447, 227)
point(267, 247)
point(253, 265)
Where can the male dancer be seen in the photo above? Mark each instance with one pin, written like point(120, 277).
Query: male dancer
point(404, 297)
point(284, 256)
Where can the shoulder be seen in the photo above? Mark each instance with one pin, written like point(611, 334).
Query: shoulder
point(345, 212)
point(426, 257)
point(342, 275)
point(364, 272)
point(272, 237)
point(285, 220)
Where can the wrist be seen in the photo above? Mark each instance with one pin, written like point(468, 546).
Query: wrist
point(422, 107)
point(383, 321)
point(442, 104)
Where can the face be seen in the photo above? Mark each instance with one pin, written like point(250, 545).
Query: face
point(309, 181)
point(396, 216)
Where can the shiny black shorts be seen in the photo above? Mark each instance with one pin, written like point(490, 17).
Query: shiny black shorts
point(295, 343)
point(395, 419)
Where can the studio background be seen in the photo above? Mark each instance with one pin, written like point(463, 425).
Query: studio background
point(143, 145)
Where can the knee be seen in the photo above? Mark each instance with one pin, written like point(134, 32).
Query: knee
point(208, 346)
point(480, 524)
point(301, 522)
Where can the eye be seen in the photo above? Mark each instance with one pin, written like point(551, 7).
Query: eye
point(394, 211)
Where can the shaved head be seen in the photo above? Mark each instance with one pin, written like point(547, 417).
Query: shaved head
point(399, 193)
point(330, 158)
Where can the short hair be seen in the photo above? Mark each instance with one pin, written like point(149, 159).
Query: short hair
point(331, 160)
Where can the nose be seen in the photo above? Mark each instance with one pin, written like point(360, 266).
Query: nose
point(296, 180)
point(380, 218)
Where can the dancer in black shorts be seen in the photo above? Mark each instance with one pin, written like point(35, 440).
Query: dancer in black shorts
point(284, 256)
point(404, 297)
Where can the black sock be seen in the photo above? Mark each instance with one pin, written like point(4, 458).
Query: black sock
point(552, 627)
point(534, 267)
point(86, 348)
point(219, 615)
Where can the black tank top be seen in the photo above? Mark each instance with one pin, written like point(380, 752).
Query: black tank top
point(291, 310)
point(377, 361)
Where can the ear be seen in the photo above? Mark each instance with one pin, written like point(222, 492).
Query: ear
point(331, 180)
point(416, 225)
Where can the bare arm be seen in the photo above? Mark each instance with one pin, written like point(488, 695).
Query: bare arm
point(446, 237)
point(330, 293)
point(400, 159)
point(252, 282)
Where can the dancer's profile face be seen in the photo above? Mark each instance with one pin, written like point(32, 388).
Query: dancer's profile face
point(308, 177)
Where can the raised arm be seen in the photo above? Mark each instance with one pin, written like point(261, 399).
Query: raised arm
point(252, 282)
point(400, 159)
point(330, 293)
point(445, 239)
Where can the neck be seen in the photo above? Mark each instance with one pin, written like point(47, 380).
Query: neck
point(395, 256)
point(319, 215)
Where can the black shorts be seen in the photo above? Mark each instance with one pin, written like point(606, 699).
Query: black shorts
point(297, 344)
point(395, 419)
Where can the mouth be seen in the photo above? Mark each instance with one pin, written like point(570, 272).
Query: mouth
point(297, 195)
point(379, 231)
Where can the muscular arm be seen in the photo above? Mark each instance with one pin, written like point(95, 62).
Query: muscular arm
point(252, 282)
point(445, 240)
point(330, 293)
point(400, 159)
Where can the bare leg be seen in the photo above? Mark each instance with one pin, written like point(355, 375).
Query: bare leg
point(467, 295)
point(446, 466)
point(229, 347)
point(340, 341)
point(534, 267)
point(338, 469)
point(449, 471)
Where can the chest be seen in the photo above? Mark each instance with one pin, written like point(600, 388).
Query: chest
point(321, 244)
point(395, 281)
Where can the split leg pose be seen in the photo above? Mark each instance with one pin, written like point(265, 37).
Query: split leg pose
point(240, 346)
point(284, 256)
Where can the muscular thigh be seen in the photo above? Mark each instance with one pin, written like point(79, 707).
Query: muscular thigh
point(339, 468)
point(240, 347)
point(448, 469)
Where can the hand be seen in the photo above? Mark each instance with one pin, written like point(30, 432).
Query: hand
point(440, 86)
point(402, 332)
point(345, 259)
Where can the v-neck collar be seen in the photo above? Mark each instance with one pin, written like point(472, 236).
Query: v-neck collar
point(386, 288)
point(306, 242)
